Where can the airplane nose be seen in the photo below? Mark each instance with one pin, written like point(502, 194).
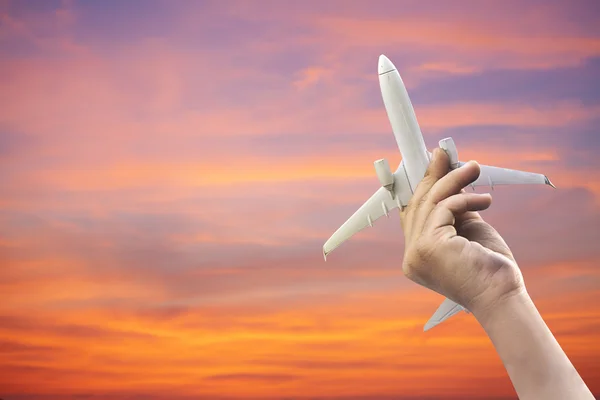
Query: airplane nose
point(385, 65)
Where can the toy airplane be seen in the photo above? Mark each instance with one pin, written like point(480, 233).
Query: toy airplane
point(398, 187)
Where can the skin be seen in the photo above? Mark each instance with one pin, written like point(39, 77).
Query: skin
point(450, 249)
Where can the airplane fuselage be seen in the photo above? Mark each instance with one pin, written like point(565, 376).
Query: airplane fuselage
point(404, 123)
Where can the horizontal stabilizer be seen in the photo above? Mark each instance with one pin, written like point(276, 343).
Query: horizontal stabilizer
point(447, 309)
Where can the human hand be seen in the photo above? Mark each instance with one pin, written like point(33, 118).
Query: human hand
point(449, 248)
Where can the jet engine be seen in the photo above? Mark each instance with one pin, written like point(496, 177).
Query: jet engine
point(450, 148)
point(384, 174)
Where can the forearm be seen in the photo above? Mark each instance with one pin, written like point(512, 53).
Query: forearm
point(535, 362)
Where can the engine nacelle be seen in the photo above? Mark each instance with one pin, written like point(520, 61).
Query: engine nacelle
point(384, 174)
point(450, 148)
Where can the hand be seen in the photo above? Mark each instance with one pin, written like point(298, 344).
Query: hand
point(449, 248)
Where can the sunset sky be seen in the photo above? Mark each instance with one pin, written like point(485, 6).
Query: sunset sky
point(170, 170)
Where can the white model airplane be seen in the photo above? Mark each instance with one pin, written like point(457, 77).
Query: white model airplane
point(397, 188)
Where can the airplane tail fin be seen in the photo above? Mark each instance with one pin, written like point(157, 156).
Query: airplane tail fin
point(447, 309)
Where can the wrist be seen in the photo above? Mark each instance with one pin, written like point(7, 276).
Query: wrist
point(494, 308)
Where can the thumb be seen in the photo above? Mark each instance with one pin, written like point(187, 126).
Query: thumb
point(439, 164)
point(437, 168)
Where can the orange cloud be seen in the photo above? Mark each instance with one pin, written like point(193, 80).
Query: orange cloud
point(374, 341)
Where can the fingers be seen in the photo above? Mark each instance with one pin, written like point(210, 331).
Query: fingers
point(446, 211)
point(437, 168)
point(454, 182)
point(449, 185)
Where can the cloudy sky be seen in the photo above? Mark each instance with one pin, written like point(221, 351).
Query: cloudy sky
point(169, 172)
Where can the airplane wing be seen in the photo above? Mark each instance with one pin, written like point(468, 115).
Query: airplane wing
point(447, 309)
point(492, 176)
point(380, 203)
